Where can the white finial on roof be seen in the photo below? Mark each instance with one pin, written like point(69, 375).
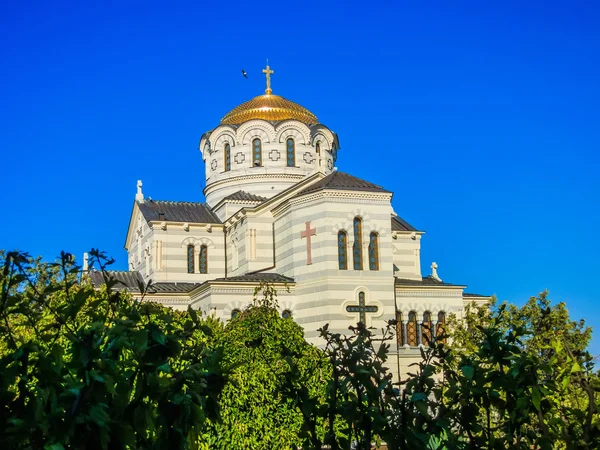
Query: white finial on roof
point(85, 262)
point(139, 196)
point(434, 273)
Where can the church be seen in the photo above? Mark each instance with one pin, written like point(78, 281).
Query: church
point(277, 210)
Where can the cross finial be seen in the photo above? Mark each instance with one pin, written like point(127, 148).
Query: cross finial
point(268, 72)
point(434, 273)
point(139, 196)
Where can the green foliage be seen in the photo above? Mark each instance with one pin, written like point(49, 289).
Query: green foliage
point(95, 369)
point(265, 352)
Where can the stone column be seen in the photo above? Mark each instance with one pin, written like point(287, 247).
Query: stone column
point(405, 331)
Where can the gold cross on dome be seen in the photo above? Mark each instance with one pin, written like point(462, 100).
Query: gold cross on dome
point(268, 72)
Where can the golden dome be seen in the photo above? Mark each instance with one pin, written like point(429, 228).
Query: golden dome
point(269, 107)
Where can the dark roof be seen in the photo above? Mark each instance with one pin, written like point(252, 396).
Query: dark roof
point(192, 212)
point(127, 280)
point(468, 294)
point(399, 224)
point(425, 281)
point(245, 197)
point(130, 281)
point(343, 182)
point(258, 277)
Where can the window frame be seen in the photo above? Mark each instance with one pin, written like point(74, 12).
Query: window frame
point(342, 250)
point(227, 157)
point(357, 256)
point(203, 249)
point(374, 249)
point(293, 152)
point(260, 161)
point(191, 263)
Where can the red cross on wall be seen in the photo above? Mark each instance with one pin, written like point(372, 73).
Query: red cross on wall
point(307, 234)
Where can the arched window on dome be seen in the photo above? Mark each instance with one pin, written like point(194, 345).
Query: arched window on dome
point(235, 313)
point(291, 152)
point(190, 259)
point(227, 152)
point(256, 153)
point(203, 259)
point(426, 329)
point(373, 251)
point(411, 329)
point(318, 150)
point(357, 246)
point(343, 250)
point(400, 329)
point(440, 329)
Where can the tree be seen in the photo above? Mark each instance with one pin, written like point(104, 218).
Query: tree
point(264, 351)
point(95, 369)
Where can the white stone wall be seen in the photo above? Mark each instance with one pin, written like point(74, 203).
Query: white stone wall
point(161, 254)
point(406, 251)
point(273, 175)
point(323, 290)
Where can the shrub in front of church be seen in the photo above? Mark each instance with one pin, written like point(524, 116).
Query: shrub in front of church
point(94, 369)
point(268, 354)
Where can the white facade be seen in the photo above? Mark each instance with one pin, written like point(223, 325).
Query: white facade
point(259, 216)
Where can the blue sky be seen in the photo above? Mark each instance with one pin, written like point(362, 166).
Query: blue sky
point(482, 118)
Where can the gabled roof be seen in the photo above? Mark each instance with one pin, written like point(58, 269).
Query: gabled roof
point(343, 182)
point(399, 224)
point(245, 197)
point(425, 281)
point(191, 212)
point(257, 277)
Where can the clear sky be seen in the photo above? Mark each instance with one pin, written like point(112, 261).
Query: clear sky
point(484, 119)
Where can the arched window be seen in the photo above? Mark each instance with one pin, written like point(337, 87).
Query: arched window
point(357, 246)
point(190, 258)
point(286, 314)
point(227, 152)
point(441, 326)
point(426, 328)
point(342, 250)
point(400, 329)
point(256, 153)
point(411, 329)
point(203, 259)
point(291, 152)
point(318, 148)
point(373, 251)
point(235, 313)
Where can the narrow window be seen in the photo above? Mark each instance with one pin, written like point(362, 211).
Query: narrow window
point(357, 246)
point(203, 259)
point(373, 251)
point(318, 150)
point(256, 153)
point(440, 329)
point(235, 313)
point(227, 157)
point(411, 329)
point(342, 250)
point(286, 314)
point(426, 329)
point(400, 329)
point(291, 153)
point(190, 258)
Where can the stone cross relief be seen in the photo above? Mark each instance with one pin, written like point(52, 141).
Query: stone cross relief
point(307, 233)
